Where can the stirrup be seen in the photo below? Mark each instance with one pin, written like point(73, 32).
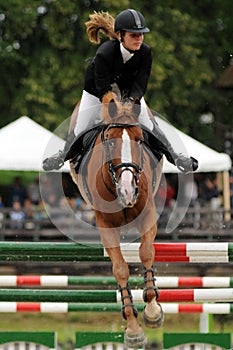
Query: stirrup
point(129, 296)
point(146, 279)
point(54, 162)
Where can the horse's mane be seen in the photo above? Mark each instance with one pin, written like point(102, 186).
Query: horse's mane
point(100, 22)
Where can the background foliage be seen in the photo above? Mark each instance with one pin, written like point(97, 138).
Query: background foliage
point(44, 49)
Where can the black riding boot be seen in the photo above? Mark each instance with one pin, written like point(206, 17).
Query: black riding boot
point(56, 161)
point(184, 164)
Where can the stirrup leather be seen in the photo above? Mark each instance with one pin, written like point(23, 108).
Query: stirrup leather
point(129, 296)
point(146, 279)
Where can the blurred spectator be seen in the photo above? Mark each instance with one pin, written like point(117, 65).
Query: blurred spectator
point(209, 193)
point(74, 206)
point(165, 195)
point(40, 212)
point(81, 204)
point(2, 205)
point(17, 191)
point(1, 214)
point(164, 200)
point(210, 197)
point(171, 192)
point(51, 201)
point(33, 191)
point(29, 210)
point(17, 215)
point(81, 210)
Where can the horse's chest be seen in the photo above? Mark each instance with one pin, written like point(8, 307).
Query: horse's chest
point(123, 216)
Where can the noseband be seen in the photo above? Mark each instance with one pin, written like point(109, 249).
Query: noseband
point(126, 165)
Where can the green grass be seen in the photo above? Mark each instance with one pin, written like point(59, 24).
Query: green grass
point(66, 325)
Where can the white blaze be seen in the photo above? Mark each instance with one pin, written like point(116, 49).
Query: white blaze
point(126, 178)
point(126, 155)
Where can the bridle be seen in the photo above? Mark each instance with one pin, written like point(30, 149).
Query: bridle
point(129, 166)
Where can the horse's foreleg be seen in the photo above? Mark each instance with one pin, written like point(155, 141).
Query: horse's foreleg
point(134, 335)
point(153, 314)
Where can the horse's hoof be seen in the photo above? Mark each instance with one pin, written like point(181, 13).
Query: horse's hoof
point(153, 322)
point(136, 340)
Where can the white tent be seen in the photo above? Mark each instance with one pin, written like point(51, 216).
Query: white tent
point(209, 160)
point(24, 144)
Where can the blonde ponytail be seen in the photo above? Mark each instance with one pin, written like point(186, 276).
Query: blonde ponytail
point(100, 22)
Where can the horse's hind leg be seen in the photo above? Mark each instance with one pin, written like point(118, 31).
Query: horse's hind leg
point(153, 313)
point(134, 335)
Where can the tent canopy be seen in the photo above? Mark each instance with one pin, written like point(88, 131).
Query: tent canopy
point(24, 144)
point(209, 159)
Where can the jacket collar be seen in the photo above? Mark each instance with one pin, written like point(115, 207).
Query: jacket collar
point(126, 54)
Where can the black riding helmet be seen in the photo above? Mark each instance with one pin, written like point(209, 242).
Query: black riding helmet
point(130, 21)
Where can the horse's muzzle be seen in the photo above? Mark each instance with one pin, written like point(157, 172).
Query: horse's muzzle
point(127, 190)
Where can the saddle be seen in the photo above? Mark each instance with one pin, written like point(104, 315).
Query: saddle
point(82, 146)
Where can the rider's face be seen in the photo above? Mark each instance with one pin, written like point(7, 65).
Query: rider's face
point(132, 41)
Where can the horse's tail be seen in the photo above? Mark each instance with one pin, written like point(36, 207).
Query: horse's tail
point(100, 22)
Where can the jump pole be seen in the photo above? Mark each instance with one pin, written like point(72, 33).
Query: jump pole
point(113, 296)
point(65, 281)
point(63, 307)
point(164, 252)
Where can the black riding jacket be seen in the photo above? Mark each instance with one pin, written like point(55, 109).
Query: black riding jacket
point(107, 67)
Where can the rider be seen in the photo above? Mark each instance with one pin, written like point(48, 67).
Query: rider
point(122, 65)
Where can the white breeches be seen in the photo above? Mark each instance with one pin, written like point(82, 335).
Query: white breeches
point(89, 113)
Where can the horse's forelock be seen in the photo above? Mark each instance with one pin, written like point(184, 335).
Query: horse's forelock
point(112, 109)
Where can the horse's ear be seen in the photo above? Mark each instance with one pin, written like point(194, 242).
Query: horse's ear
point(112, 108)
point(136, 107)
point(109, 106)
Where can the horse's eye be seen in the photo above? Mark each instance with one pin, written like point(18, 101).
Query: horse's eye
point(140, 141)
point(111, 143)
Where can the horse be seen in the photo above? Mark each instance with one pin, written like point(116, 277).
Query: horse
point(119, 177)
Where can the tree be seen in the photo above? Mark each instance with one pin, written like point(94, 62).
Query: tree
point(44, 50)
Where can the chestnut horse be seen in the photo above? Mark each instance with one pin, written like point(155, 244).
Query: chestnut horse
point(119, 178)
